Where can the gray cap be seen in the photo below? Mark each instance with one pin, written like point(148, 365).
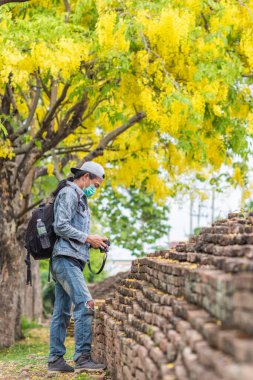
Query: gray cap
point(91, 167)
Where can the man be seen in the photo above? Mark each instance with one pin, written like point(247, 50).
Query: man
point(70, 253)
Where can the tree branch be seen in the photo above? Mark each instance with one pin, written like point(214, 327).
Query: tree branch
point(56, 167)
point(150, 51)
point(67, 125)
point(92, 109)
point(205, 21)
point(47, 92)
point(40, 172)
point(27, 209)
point(6, 107)
point(50, 115)
point(246, 6)
point(22, 130)
point(67, 9)
point(45, 123)
point(3, 2)
point(71, 149)
point(98, 151)
point(12, 100)
point(53, 97)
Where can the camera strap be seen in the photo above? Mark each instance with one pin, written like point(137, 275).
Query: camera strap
point(102, 266)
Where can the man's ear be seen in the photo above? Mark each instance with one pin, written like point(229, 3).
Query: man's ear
point(86, 176)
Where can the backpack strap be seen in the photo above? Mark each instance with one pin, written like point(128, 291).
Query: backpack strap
point(78, 195)
point(49, 269)
point(28, 268)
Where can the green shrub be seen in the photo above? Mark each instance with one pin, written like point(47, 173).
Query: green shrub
point(27, 324)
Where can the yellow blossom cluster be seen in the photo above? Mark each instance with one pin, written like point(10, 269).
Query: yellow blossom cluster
point(186, 64)
point(62, 59)
point(6, 150)
point(111, 34)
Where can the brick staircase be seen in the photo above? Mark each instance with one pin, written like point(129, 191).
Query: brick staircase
point(184, 313)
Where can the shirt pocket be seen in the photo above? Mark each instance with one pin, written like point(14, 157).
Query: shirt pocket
point(81, 217)
point(75, 244)
point(81, 212)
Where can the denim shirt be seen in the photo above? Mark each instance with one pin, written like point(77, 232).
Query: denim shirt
point(71, 223)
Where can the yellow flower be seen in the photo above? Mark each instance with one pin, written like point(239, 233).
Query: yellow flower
point(238, 176)
point(217, 110)
point(250, 123)
point(50, 169)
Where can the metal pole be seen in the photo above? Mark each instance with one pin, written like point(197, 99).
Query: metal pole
point(191, 215)
point(213, 204)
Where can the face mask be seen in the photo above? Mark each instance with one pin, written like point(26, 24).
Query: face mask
point(89, 191)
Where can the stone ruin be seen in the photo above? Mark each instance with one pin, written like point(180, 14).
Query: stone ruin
point(99, 291)
point(106, 288)
point(184, 313)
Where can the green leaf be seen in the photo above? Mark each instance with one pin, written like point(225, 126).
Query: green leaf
point(3, 129)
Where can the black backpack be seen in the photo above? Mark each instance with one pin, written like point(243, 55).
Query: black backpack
point(45, 212)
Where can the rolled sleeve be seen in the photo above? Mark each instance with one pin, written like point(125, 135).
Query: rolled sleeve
point(67, 204)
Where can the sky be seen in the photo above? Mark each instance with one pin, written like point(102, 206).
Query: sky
point(119, 259)
point(180, 213)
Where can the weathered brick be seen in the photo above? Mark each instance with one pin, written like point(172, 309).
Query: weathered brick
point(243, 299)
point(184, 312)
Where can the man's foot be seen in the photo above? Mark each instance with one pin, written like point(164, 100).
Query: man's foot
point(85, 363)
point(59, 365)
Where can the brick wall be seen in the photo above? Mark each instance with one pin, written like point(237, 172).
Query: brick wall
point(184, 313)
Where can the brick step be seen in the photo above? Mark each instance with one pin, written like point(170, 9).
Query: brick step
point(225, 263)
point(126, 291)
point(115, 313)
point(227, 239)
point(236, 250)
point(228, 228)
point(232, 259)
point(233, 221)
point(163, 265)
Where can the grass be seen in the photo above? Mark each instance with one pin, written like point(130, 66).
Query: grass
point(27, 359)
point(26, 324)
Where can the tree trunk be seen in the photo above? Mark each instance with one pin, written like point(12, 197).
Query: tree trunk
point(12, 273)
point(10, 285)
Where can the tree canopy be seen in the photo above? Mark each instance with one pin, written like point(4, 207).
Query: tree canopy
point(131, 218)
point(76, 78)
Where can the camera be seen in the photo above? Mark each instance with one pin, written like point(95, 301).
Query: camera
point(102, 249)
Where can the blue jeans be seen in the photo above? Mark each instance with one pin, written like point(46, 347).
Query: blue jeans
point(69, 287)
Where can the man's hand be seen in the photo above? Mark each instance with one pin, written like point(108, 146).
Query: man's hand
point(96, 241)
